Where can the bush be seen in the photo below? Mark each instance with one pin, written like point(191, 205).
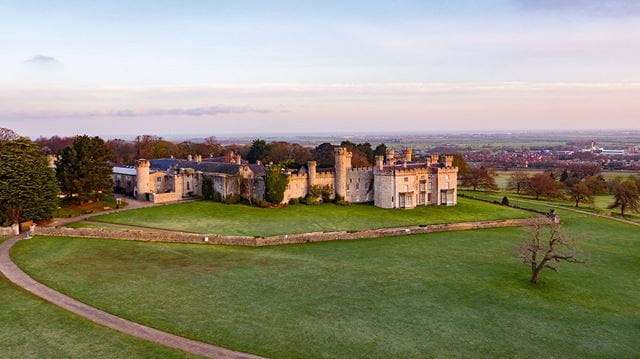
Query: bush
point(342, 202)
point(294, 201)
point(232, 199)
point(505, 201)
point(216, 196)
point(263, 204)
point(309, 200)
point(275, 184)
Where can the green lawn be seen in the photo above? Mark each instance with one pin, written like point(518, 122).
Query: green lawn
point(457, 294)
point(33, 328)
point(218, 218)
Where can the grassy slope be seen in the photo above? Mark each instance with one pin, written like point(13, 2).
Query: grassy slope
point(33, 328)
point(445, 294)
point(218, 218)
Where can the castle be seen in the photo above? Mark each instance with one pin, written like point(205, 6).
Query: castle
point(394, 182)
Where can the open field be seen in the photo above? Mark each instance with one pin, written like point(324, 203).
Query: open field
point(218, 218)
point(33, 328)
point(599, 205)
point(447, 294)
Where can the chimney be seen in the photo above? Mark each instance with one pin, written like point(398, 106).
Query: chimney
point(448, 161)
point(404, 164)
point(238, 159)
point(189, 158)
point(380, 162)
point(198, 158)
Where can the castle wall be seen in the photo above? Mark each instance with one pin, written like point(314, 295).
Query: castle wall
point(360, 185)
point(298, 187)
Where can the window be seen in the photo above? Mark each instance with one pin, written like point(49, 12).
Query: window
point(159, 179)
point(357, 186)
point(188, 186)
point(406, 179)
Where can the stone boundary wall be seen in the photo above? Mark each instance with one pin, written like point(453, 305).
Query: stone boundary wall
point(183, 237)
point(6, 231)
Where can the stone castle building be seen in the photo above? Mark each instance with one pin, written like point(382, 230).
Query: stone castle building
point(397, 182)
point(394, 183)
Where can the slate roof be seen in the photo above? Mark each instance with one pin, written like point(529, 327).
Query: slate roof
point(164, 164)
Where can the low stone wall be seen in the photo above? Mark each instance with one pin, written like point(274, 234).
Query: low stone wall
point(165, 197)
point(182, 237)
point(6, 231)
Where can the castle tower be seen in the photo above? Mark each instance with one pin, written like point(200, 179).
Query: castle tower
point(311, 172)
point(343, 164)
point(448, 161)
point(142, 179)
point(435, 159)
point(408, 154)
point(380, 163)
point(391, 156)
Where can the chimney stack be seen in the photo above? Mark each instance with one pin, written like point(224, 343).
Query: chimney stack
point(380, 162)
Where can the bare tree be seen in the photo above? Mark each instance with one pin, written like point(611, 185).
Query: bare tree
point(7, 135)
point(542, 253)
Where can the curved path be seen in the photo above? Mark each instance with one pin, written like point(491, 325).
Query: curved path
point(20, 278)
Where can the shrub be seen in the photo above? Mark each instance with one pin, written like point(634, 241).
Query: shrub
point(276, 183)
point(232, 199)
point(342, 202)
point(505, 201)
point(311, 200)
point(294, 201)
point(263, 204)
point(216, 196)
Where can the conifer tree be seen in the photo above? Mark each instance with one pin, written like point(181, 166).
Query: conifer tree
point(28, 187)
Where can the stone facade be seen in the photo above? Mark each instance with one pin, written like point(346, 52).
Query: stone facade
point(397, 184)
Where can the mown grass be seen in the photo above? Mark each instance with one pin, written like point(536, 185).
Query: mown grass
point(218, 218)
point(456, 294)
point(33, 328)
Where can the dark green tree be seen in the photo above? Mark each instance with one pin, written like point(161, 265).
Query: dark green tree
point(276, 183)
point(381, 150)
point(207, 188)
point(324, 155)
point(28, 187)
point(258, 151)
point(83, 168)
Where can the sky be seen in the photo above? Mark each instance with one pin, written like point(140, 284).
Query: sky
point(234, 67)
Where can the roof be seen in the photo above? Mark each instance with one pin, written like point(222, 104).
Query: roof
point(165, 164)
point(124, 171)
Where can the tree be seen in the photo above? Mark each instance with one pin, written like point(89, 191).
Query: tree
point(275, 184)
point(480, 178)
point(323, 154)
point(626, 197)
point(7, 135)
point(541, 184)
point(83, 168)
point(540, 254)
point(258, 151)
point(580, 192)
point(517, 181)
point(381, 150)
point(461, 163)
point(597, 185)
point(207, 188)
point(28, 187)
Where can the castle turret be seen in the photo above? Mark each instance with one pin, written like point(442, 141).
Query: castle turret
point(391, 156)
point(380, 162)
point(311, 169)
point(343, 163)
point(448, 161)
point(435, 159)
point(142, 178)
point(408, 154)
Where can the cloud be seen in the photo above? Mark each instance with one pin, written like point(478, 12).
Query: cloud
point(176, 112)
point(43, 60)
point(590, 7)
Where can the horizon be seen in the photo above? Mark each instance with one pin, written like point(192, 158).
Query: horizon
point(287, 67)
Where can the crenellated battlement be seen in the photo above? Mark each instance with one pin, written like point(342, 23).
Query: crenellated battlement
point(361, 169)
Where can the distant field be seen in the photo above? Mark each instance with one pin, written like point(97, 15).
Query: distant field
point(502, 177)
point(218, 218)
point(454, 295)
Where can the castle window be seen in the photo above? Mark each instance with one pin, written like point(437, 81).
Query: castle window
point(188, 187)
point(159, 179)
point(357, 186)
point(406, 179)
